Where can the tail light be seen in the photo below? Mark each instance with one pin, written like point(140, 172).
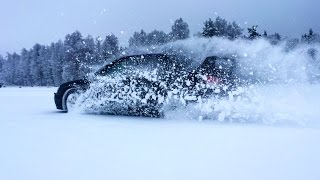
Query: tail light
point(213, 80)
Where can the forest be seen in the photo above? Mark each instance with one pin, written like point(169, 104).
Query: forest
point(75, 55)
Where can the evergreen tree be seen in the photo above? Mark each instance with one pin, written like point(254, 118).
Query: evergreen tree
point(74, 67)
point(275, 38)
point(157, 38)
point(35, 65)
point(221, 28)
point(46, 70)
point(253, 34)
point(26, 56)
point(209, 29)
point(138, 39)
point(56, 61)
point(180, 30)
point(24, 68)
point(110, 47)
point(1, 69)
point(8, 69)
point(265, 34)
point(90, 50)
point(310, 32)
point(98, 51)
point(311, 37)
point(233, 31)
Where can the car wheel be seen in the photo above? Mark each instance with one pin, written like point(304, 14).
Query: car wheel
point(70, 99)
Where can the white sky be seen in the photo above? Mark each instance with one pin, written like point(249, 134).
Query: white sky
point(26, 22)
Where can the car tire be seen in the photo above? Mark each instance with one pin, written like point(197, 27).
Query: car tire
point(69, 99)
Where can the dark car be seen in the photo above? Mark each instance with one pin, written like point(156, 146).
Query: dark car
point(146, 80)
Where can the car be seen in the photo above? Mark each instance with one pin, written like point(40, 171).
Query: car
point(141, 84)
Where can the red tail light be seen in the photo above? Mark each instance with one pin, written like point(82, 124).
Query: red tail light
point(213, 80)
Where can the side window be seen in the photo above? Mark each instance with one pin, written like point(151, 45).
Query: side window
point(123, 67)
point(218, 66)
point(145, 64)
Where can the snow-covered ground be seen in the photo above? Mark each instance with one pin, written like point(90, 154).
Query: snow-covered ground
point(38, 142)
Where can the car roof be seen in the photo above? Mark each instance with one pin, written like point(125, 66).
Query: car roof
point(184, 61)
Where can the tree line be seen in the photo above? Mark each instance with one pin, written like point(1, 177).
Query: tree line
point(73, 57)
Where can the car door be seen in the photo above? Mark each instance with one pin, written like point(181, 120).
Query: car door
point(130, 83)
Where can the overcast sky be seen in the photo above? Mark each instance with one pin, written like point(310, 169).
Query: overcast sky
point(26, 22)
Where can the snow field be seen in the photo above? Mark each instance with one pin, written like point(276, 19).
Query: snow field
point(39, 142)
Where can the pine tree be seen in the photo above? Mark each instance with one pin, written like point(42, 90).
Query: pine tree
point(180, 30)
point(45, 55)
point(35, 65)
point(1, 69)
point(157, 38)
point(265, 34)
point(310, 37)
point(90, 48)
point(8, 69)
point(209, 29)
point(110, 47)
point(221, 26)
point(253, 34)
point(310, 32)
point(237, 30)
point(98, 59)
point(56, 60)
point(74, 67)
point(275, 38)
point(25, 68)
point(138, 39)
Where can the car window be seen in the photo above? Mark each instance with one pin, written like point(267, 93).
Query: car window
point(133, 64)
point(214, 65)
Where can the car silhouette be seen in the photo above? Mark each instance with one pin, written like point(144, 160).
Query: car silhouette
point(141, 84)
